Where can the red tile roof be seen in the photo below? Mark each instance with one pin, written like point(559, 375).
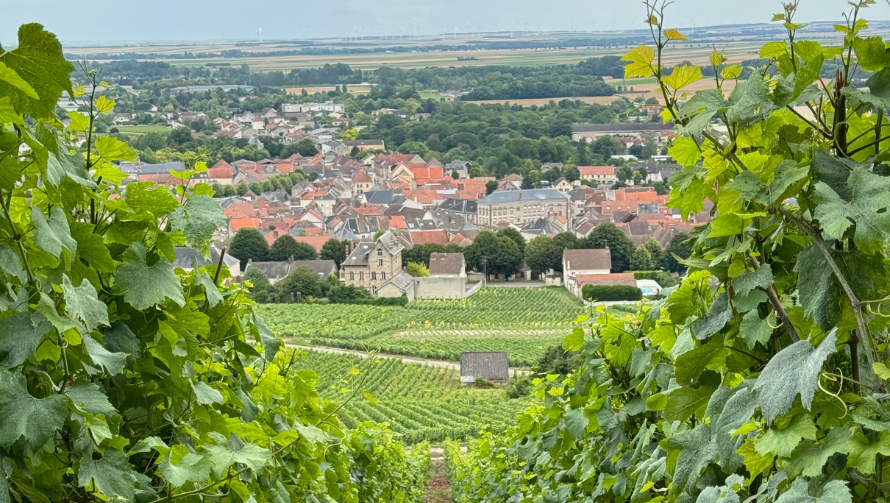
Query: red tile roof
point(596, 170)
point(434, 236)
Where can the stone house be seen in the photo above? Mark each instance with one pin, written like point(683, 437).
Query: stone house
point(373, 264)
point(578, 264)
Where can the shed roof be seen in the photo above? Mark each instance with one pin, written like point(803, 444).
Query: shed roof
point(582, 260)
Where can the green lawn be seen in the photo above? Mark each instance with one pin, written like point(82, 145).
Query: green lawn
point(143, 129)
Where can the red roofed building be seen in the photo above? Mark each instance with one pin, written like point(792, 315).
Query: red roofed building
point(434, 236)
point(315, 241)
point(238, 223)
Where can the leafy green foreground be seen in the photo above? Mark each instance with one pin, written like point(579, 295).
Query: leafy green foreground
point(763, 376)
point(124, 378)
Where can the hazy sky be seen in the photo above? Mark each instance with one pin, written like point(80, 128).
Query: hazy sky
point(112, 21)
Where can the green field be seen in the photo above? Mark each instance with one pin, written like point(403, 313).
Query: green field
point(418, 401)
point(525, 322)
point(137, 130)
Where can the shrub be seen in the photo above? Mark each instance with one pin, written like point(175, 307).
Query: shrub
point(482, 383)
point(611, 292)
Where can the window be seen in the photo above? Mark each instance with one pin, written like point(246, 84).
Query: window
point(374, 291)
point(361, 276)
point(373, 276)
point(352, 276)
point(383, 276)
point(380, 262)
point(379, 252)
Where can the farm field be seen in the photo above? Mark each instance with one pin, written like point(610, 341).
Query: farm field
point(137, 130)
point(419, 402)
point(525, 322)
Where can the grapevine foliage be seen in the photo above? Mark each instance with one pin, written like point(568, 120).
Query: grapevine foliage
point(124, 377)
point(762, 377)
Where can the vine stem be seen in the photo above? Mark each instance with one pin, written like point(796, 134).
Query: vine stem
point(777, 304)
point(854, 300)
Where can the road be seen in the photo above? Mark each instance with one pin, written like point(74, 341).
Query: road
point(417, 361)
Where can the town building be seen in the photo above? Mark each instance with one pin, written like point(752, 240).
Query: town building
point(372, 264)
point(519, 207)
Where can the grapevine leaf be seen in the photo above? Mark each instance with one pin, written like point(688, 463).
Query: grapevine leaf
point(574, 341)
point(871, 54)
point(11, 264)
point(113, 363)
point(191, 468)
point(863, 451)
point(211, 292)
point(205, 394)
point(751, 187)
point(640, 65)
point(673, 34)
point(111, 474)
point(754, 462)
point(696, 452)
point(147, 198)
point(708, 100)
point(52, 235)
point(20, 335)
point(794, 370)
point(867, 208)
point(835, 491)
point(12, 78)
point(782, 442)
point(36, 419)
point(773, 50)
point(751, 279)
point(83, 301)
point(312, 434)
point(823, 293)
point(683, 403)
point(112, 149)
point(38, 60)
point(223, 455)
point(691, 364)
point(120, 339)
point(716, 317)
point(88, 397)
point(91, 247)
point(270, 343)
point(683, 76)
point(104, 105)
point(144, 286)
point(754, 330)
point(576, 423)
point(685, 151)
point(198, 218)
point(809, 457)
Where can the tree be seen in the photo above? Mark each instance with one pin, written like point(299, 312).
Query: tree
point(677, 246)
point(334, 249)
point(490, 186)
point(421, 253)
point(302, 281)
point(572, 174)
point(481, 255)
point(508, 259)
point(620, 247)
point(249, 244)
point(262, 290)
point(349, 134)
point(417, 270)
point(513, 234)
point(455, 175)
point(241, 189)
point(543, 254)
point(655, 251)
point(642, 260)
point(624, 173)
point(349, 294)
point(286, 247)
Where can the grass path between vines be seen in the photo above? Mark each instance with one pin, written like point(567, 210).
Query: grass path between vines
point(438, 490)
point(418, 361)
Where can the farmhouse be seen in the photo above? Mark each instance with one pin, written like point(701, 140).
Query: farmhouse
point(579, 265)
point(372, 265)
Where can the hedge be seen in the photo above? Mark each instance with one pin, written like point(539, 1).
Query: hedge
point(611, 292)
point(663, 278)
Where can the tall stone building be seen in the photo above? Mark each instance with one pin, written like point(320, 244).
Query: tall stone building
point(372, 264)
point(520, 207)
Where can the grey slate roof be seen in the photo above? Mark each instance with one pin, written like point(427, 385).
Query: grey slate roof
point(186, 257)
point(493, 366)
point(280, 270)
point(511, 196)
point(403, 281)
point(446, 263)
point(580, 260)
point(459, 205)
point(379, 196)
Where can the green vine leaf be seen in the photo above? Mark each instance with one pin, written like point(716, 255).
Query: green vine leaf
point(866, 208)
point(82, 301)
point(35, 419)
point(20, 334)
point(144, 286)
point(53, 234)
point(793, 371)
point(38, 61)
